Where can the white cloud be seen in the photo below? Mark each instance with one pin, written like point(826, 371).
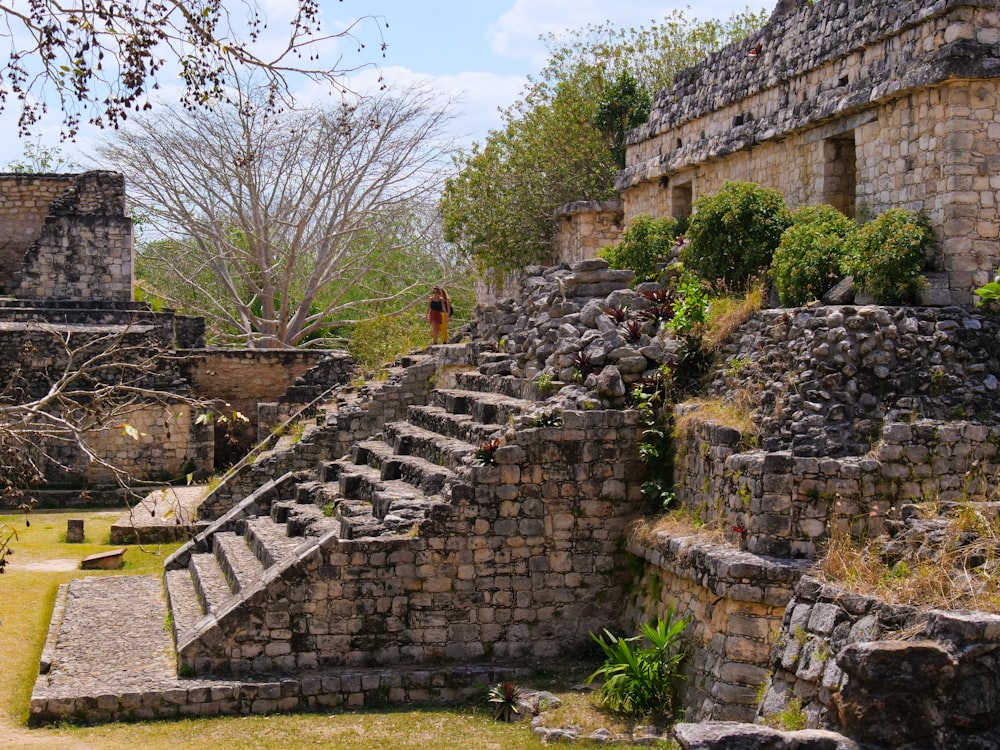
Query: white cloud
point(516, 33)
point(477, 95)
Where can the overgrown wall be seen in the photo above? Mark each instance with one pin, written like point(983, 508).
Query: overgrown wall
point(861, 410)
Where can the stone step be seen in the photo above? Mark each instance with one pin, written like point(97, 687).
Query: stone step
point(358, 481)
point(269, 540)
point(182, 600)
point(238, 562)
point(506, 385)
point(427, 477)
point(364, 484)
point(461, 426)
point(209, 581)
point(487, 408)
point(357, 520)
point(410, 440)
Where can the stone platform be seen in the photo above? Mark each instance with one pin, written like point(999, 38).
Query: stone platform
point(110, 657)
point(164, 515)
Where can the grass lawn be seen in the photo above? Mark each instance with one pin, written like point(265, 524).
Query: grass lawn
point(40, 563)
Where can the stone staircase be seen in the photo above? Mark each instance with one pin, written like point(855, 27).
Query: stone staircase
point(383, 489)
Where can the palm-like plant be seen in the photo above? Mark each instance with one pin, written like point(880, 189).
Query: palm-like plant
point(641, 673)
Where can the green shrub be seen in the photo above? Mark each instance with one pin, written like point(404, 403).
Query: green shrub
point(989, 296)
point(646, 242)
point(886, 256)
point(641, 678)
point(734, 232)
point(808, 259)
point(381, 339)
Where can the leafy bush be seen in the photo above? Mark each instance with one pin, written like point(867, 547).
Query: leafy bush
point(886, 256)
point(808, 259)
point(646, 242)
point(641, 678)
point(989, 296)
point(734, 232)
point(381, 339)
point(690, 307)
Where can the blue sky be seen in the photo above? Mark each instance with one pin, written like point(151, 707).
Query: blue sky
point(479, 51)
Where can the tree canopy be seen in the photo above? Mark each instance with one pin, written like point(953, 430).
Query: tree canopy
point(281, 227)
point(99, 59)
point(562, 141)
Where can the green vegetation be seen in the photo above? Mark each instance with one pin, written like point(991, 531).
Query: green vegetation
point(733, 233)
point(809, 256)
point(641, 674)
point(989, 296)
point(504, 697)
point(791, 718)
point(645, 242)
point(886, 256)
point(561, 141)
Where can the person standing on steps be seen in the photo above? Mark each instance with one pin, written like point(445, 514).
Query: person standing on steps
point(445, 315)
point(435, 312)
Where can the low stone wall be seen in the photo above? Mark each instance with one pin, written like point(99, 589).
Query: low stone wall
point(735, 601)
point(841, 381)
point(313, 692)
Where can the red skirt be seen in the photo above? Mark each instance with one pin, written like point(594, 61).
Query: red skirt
point(435, 316)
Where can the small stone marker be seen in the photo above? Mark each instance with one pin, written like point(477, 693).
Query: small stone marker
point(74, 531)
point(110, 560)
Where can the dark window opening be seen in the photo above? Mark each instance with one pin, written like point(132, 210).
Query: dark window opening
point(840, 173)
point(680, 200)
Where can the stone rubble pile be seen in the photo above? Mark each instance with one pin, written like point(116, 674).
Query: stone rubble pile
point(557, 325)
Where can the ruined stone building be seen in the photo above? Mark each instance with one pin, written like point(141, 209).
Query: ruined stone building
point(66, 284)
point(865, 106)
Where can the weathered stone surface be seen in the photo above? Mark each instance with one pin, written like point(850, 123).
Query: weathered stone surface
point(734, 736)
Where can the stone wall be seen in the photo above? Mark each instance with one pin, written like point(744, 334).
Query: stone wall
point(866, 106)
point(238, 381)
point(735, 601)
point(171, 445)
point(862, 409)
point(887, 675)
point(24, 206)
point(517, 565)
point(67, 238)
point(585, 227)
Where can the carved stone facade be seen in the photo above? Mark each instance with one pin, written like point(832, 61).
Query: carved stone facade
point(863, 105)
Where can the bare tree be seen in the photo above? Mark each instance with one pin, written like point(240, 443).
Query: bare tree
point(100, 58)
point(71, 393)
point(280, 226)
